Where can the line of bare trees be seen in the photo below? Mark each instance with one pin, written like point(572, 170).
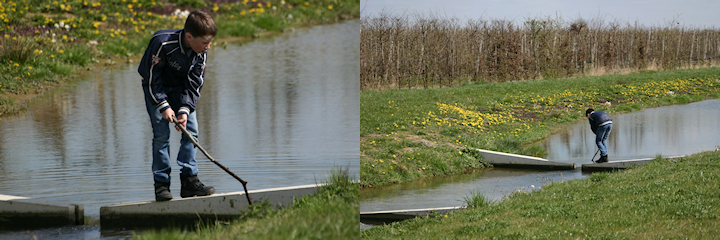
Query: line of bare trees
point(417, 51)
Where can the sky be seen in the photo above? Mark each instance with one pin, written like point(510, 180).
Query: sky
point(690, 13)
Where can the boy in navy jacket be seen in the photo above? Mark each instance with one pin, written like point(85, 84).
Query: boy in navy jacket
point(601, 125)
point(172, 71)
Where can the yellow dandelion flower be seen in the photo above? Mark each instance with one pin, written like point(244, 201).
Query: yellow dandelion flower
point(330, 7)
point(61, 51)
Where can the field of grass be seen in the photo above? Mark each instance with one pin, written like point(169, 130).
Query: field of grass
point(331, 213)
point(408, 134)
point(664, 199)
point(47, 42)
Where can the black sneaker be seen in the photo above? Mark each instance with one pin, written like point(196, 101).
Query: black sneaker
point(191, 187)
point(162, 191)
point(603, 159)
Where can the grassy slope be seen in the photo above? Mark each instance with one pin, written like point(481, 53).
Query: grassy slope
point(407, 134)
point(44, 43)
point(662, 199)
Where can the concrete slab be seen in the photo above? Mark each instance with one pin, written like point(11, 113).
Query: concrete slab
point(616, 165)
point(382, 217)
point(509, 160)
point(18, 212)
point(187, 211)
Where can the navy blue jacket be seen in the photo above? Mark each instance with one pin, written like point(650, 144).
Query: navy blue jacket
point(172, 75)
point(597, 119)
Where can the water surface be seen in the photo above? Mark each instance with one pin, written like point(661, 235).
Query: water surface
point(450, 191)
point(674, 130)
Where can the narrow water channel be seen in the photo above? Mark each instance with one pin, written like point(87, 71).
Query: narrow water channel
point(668, 131)
point(277, 111)
point(674, 130)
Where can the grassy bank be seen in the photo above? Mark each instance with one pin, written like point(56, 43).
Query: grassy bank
point(332, 213)
point(408, 134)
point(45, 43)
point(665, 198)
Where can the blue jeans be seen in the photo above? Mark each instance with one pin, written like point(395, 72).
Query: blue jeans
point(161, 145)
point(601, 136)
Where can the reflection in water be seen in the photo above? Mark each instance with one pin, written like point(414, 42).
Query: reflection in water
point(279, 111)
point(280, 106)
point(81, 144)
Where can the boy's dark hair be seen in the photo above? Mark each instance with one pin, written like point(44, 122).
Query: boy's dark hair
point(200, 24)
point(589, 110)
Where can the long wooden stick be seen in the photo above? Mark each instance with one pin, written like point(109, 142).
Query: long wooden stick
point(194, 141)
point(596, 152)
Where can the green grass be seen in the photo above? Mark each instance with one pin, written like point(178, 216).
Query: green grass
point(666, 198)
point(408, 134)
point(270, 22)
point(477, 200)
point(331, 213)
point(235, 28)
point(47, 41)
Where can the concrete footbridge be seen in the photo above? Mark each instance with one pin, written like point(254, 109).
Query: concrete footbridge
point(509, 160)
point(18, 212)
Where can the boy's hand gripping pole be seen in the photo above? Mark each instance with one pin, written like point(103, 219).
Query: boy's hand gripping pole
point(194, 141)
